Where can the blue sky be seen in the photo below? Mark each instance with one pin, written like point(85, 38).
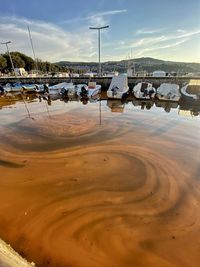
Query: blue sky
point(164, 29)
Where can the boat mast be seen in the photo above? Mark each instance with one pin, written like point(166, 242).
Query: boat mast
point(31, 41)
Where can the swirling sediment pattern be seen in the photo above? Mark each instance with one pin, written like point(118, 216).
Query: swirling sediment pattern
point(129, 198)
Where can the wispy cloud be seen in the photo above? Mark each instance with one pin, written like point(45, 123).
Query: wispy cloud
point(98, 17)
point(148, 50)
point(147, 31)
point(160, 44)
point(111, 12)
point(51, 42)
point(165, 40)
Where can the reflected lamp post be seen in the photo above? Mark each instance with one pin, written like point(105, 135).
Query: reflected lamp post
point(99, 42)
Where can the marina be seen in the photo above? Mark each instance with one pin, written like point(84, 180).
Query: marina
point(99, 133)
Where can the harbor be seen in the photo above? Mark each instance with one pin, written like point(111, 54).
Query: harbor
point(99, 133)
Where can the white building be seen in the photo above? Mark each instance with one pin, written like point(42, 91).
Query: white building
point(159, 73)
point(111, 74)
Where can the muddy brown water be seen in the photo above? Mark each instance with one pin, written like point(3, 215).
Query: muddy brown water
point(102, 184)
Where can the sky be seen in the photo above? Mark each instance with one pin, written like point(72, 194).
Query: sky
point(162, 29)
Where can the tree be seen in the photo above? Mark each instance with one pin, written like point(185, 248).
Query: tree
point(3, 63)
point(29, 62)
point(17, 61)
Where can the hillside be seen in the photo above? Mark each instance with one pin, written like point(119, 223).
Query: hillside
point(141, 64)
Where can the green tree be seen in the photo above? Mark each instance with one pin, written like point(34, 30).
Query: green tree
point(17, 61)
point(3, 63)
point(29, 62)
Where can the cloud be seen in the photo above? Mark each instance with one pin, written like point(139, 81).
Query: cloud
point(146, 51)
point(147, 31)
point(99, 18)
point(166, 40)
point(111, 12)
point(171, 43)
point(51, 42)
point(96, 18)
point(54, 43)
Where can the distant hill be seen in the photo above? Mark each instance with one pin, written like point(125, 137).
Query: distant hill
point(140, 64)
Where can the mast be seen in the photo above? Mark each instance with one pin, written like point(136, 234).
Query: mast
point(31, 41)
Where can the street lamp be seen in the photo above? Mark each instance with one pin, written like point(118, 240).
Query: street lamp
point(6, 43)
point(99, 43)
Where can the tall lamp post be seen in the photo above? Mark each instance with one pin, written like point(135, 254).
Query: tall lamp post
point(99, 42)
point(6, 43)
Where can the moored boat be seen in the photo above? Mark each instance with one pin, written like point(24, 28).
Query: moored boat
point(15, 87)
point(72, 90)
point(191, 91)
point(144, 90)
point(118, 87)
point(168, 92)
point(90, 90)
point(19, 87)
point(54, 89)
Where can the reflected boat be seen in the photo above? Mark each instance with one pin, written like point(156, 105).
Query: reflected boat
point(115, 105)
point(144, 104)
point(6, 101)
point(167, 106)
point(189, 109)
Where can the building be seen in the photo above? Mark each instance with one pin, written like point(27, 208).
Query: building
point(159, 73)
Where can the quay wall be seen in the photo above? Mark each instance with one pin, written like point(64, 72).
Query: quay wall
point(104, 81)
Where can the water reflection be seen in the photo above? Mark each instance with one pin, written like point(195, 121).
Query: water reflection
point(115, 105)
point(148, 104)
point(193, 109)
